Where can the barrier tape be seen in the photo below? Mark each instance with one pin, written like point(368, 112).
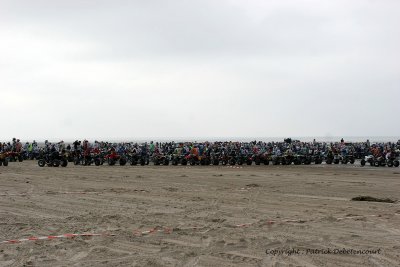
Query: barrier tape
point(168, 230)
point(51, 193)
point(165, 230)
point(49, 237)
point(153, 230)
point(230, 166)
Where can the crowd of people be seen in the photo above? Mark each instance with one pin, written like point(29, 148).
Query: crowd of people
point(283, 152)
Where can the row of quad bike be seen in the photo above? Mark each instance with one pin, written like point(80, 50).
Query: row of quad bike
point(57, 159)
point(380, 161)
point(10, 156)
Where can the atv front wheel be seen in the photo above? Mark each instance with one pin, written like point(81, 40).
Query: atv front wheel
point(64, 163)
point(122, 161)
point(363, 162)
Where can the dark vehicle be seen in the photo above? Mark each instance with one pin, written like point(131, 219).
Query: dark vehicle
point(3, 159)
point(15, 156)
point(161, 159)
point(224, 159)
point(178, 159)
point(262, 158)
point(392, 160)
point(245, 159)
point(336, 158)
point(329, 157)
point(318, 158)
point(205, 160)
point(53, 159)
point(136, 158)
point(278, 159)
point(349, 158)
point(303, 159)
point(215, 156)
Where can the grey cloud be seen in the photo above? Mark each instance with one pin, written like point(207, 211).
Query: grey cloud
point(254, 68)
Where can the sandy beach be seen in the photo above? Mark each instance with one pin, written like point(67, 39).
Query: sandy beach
point(198, 216)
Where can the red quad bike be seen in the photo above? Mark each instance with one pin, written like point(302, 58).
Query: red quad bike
point(112, 157)
point(15, 156)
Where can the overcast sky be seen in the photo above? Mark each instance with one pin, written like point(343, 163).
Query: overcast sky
point(116, 69)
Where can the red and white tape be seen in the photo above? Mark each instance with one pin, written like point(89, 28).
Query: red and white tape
point(168, 230)
point(49, 237)
point(51, 193)
point(153, 230)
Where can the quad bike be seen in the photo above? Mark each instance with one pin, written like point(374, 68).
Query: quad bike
point(53, 159)
point(232, 160)
point(332, 158)
point(244, 159)
point(329, 157)
point(392, 162)
point(33, 155)
point(336, 158)
point(224, 159)
point(15, 156)
point(215, 158)
point(136, 158)
point(265, 158)
point(84, 160)
point(205, 160)
point(368, 159)
point(89, 159)
point(98, 158)
point(299, 159)
point(374, 161)
point(175, 159)
point(178, 159)
point(347, 158)
point(261, 158)
point(69, 155)
point(112, 158)
point(276, 160)
point(192, 159)
point(3, 159)
point(288, 159)
point(160, 159)
point(318, 158)
point(380, 161)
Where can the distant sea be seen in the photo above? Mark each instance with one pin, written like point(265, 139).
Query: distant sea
point(372, 139)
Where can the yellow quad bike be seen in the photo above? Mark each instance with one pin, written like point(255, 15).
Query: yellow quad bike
point(3, 159)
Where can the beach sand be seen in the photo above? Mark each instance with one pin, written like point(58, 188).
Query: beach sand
point(198, 216)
